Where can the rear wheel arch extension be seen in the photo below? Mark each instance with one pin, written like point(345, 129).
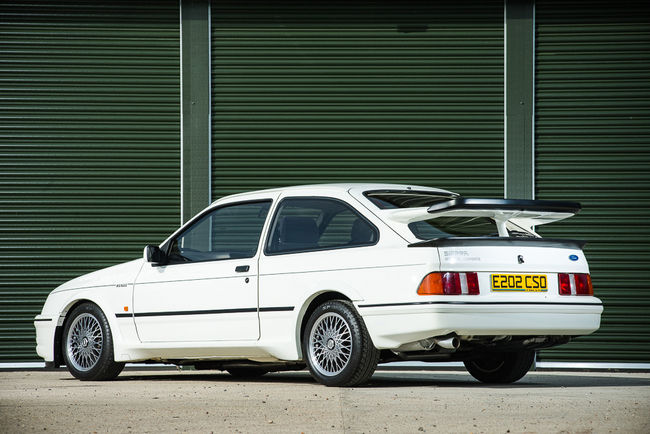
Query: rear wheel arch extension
point(311, 306)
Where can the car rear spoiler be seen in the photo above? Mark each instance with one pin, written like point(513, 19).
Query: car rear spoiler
point(521, 212)
point(500, 241)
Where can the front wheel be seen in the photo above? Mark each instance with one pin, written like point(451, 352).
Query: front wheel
point(500, 368)
point(88, 344)
point(337, 347)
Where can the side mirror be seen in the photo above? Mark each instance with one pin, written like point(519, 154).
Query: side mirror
point(154, 255)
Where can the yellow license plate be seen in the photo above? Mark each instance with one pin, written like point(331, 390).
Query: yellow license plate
point(519, 282)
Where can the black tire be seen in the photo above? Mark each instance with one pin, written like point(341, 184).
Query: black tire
point(247, 372)
point(501, 368)
point(348, 358)
point(88, 345)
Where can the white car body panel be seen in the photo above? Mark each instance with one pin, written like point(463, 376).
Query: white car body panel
point(261, 319)
point(502, 260)
point(205, 286)
point(117, 274)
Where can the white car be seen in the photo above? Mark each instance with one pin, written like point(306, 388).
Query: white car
point(337, 277)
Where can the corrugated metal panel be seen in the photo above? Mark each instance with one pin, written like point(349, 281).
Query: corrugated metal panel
point(89, 145)
point(593, 145)
point(308, 92)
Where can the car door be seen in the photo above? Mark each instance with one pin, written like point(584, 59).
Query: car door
point(207, 290)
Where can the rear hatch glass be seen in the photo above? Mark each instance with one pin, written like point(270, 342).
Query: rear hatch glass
point(440, 227)
point(393, 199)
point(454, 227)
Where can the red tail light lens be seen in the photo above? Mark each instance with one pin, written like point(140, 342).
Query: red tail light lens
point(575, 284)
point(564, 283)
point(449, 283)
point(472, 283)
point(583, 284)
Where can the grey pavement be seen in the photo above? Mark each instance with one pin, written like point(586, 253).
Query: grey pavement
point(394, 401)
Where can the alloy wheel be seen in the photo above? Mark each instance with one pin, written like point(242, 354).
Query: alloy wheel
point(330, 344)
point(84, 342)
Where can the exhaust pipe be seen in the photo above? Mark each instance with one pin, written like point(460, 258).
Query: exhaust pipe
point(450, 343)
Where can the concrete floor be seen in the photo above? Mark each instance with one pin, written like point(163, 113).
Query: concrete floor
point(394, 401)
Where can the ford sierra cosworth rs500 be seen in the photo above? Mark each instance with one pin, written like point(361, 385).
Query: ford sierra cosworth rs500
point(337, 278)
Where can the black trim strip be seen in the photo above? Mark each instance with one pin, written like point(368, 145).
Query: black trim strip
point(491, 303)
point(207, 312)
point(196, 312)
point(42, 319)
point(501, 241)
point(276, 309)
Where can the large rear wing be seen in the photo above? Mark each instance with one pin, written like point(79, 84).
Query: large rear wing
point(523, 213)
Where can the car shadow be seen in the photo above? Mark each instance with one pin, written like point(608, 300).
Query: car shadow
point(397, 379)
point(532, 380)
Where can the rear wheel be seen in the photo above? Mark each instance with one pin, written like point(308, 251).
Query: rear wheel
point(337, 347)
point(501, 368)
point(88, 344)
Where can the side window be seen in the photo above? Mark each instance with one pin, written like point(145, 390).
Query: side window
point(302, 224)
point(230, 232)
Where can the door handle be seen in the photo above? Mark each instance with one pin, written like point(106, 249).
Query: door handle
point(242, 268)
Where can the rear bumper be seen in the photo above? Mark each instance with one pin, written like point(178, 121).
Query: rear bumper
point(391, 326)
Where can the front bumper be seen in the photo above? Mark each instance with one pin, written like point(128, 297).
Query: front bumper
point(45, 329)
point(391, 326)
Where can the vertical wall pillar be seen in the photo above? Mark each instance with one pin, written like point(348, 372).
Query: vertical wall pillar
point(519, 182)
point(195, 106)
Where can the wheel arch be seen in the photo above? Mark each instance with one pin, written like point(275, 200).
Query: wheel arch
point(362, 356)
point(64, 318)
point(309, 306)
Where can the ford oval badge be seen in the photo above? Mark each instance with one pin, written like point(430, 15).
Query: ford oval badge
point(573, 257)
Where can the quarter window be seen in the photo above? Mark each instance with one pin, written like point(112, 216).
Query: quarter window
point(229, 232)
point(303, 224)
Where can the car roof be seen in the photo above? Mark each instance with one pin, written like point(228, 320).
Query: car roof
point(339, 187)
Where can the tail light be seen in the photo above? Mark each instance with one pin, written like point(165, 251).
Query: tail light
point(449, 284)
point(575, 284)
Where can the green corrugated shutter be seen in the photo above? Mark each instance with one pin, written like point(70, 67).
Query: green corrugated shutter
point(308, 92)
point(89, 145)
point(593, 145)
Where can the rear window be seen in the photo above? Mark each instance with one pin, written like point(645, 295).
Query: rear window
point(443, 227)
point(440, 227)
point(392, 199)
